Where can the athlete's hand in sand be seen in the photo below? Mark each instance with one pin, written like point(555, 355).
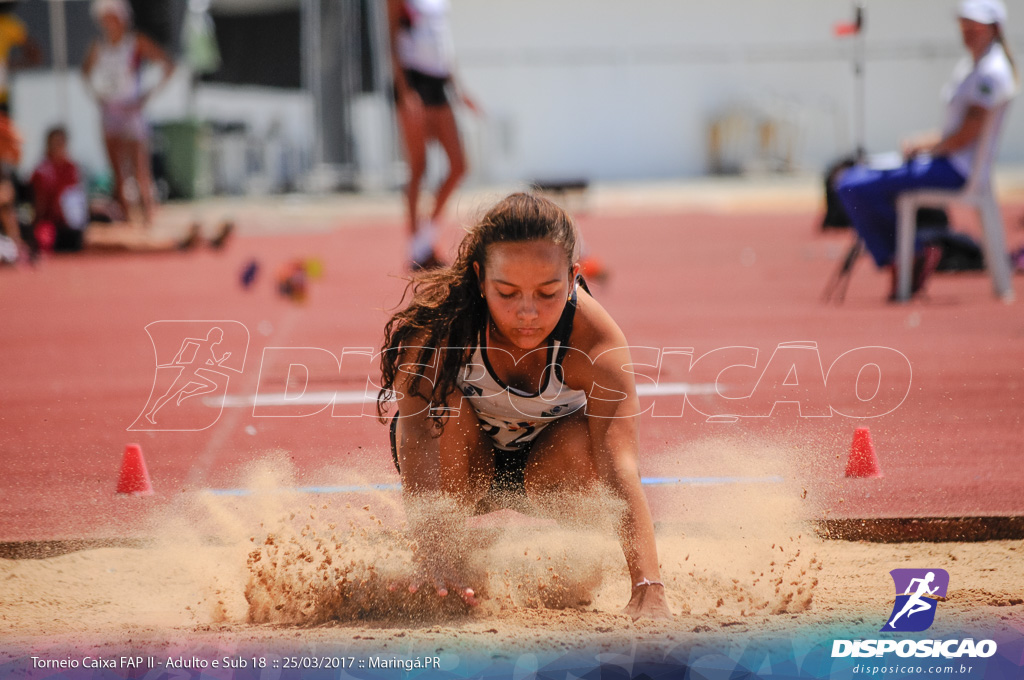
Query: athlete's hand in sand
point(648, 602)
point(439, 574)
point(437, 527)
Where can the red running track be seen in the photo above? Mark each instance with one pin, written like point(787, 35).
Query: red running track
point(78, 367)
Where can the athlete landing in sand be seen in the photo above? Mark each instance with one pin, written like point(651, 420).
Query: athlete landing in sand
point(508, 329)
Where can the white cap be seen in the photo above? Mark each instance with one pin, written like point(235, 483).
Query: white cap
point(983, 11)
point(121, 8)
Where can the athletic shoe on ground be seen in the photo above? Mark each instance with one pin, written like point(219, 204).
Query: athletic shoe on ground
point(223, 236)
point(430, 262)
point(924, 266)
point(192, 240)
point(925, 263)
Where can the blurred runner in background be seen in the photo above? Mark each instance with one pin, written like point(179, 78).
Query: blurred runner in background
point(423, 60)
point(112, 71)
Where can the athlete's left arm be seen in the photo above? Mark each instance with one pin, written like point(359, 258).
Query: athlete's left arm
point(612, 419)
point(150, 51)
point(935, 144)
point(965, 135)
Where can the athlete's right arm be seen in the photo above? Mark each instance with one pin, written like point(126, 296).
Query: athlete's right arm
point(435, 515)
point(150, 51)
point(395, 10)
point(87, 66)
point(417, 441)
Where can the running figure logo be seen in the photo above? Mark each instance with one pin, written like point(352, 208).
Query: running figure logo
point(918, 592)
point(193, 359)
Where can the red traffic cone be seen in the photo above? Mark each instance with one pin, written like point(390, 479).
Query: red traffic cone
point(134, 477)
point(862, 462)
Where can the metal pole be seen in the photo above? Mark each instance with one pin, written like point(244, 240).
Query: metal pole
point(59, 53)
point(858, 91)
point(312, 72)
point(347, 61)
point(382, 76)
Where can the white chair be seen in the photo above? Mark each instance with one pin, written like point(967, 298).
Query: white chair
point(977, 193)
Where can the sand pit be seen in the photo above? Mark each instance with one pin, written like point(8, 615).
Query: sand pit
point(279, 570)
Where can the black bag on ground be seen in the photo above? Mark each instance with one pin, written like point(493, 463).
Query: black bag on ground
point(960, 252)
point(835, 213)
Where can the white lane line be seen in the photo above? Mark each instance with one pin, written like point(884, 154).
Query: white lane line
point(324, 398)
point(369, 488)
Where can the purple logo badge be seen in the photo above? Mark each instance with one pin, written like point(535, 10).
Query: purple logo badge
point(918, 592)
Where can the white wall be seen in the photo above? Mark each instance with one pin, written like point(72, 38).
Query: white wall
point(609, 90)
point(617, 90)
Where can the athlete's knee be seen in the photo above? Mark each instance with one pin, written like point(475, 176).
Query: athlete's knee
point(544, 482)
point(457, 167)
point(417, 167)
point(852, 184)
point(562, 461)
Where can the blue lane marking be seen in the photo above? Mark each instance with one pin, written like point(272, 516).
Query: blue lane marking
point(710, 481)
point(312, 489)
point(647, 481)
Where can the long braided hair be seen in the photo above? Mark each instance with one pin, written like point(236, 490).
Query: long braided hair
point(447, 310)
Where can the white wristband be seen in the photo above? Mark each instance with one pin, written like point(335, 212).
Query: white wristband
point(648, 582)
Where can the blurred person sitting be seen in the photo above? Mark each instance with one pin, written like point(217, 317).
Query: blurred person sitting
point(61, 207)
point(112, 71)
point(12, 246)
point(423, 61)
point(13, 34)
point(63, 213)
point(982, 82)
point(10, 143)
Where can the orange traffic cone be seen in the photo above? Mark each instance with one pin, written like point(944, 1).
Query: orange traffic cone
point(134, 477)
point(593, 269)
point(862, 462)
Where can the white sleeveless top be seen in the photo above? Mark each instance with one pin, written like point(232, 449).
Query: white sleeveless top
point(115, 73)
point(426, 44)
point(987, 84)
point(513, 418)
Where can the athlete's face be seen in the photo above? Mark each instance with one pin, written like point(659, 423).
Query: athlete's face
point(977, 36)
point(112, 25)
point(57, 146)
point(526, 285)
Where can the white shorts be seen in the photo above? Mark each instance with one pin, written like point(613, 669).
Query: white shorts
point(124, 121)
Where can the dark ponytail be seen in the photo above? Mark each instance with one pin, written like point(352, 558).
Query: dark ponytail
point(1009, 55)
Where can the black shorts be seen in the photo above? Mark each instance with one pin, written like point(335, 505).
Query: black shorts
point(508, 488)
point(433, 91)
